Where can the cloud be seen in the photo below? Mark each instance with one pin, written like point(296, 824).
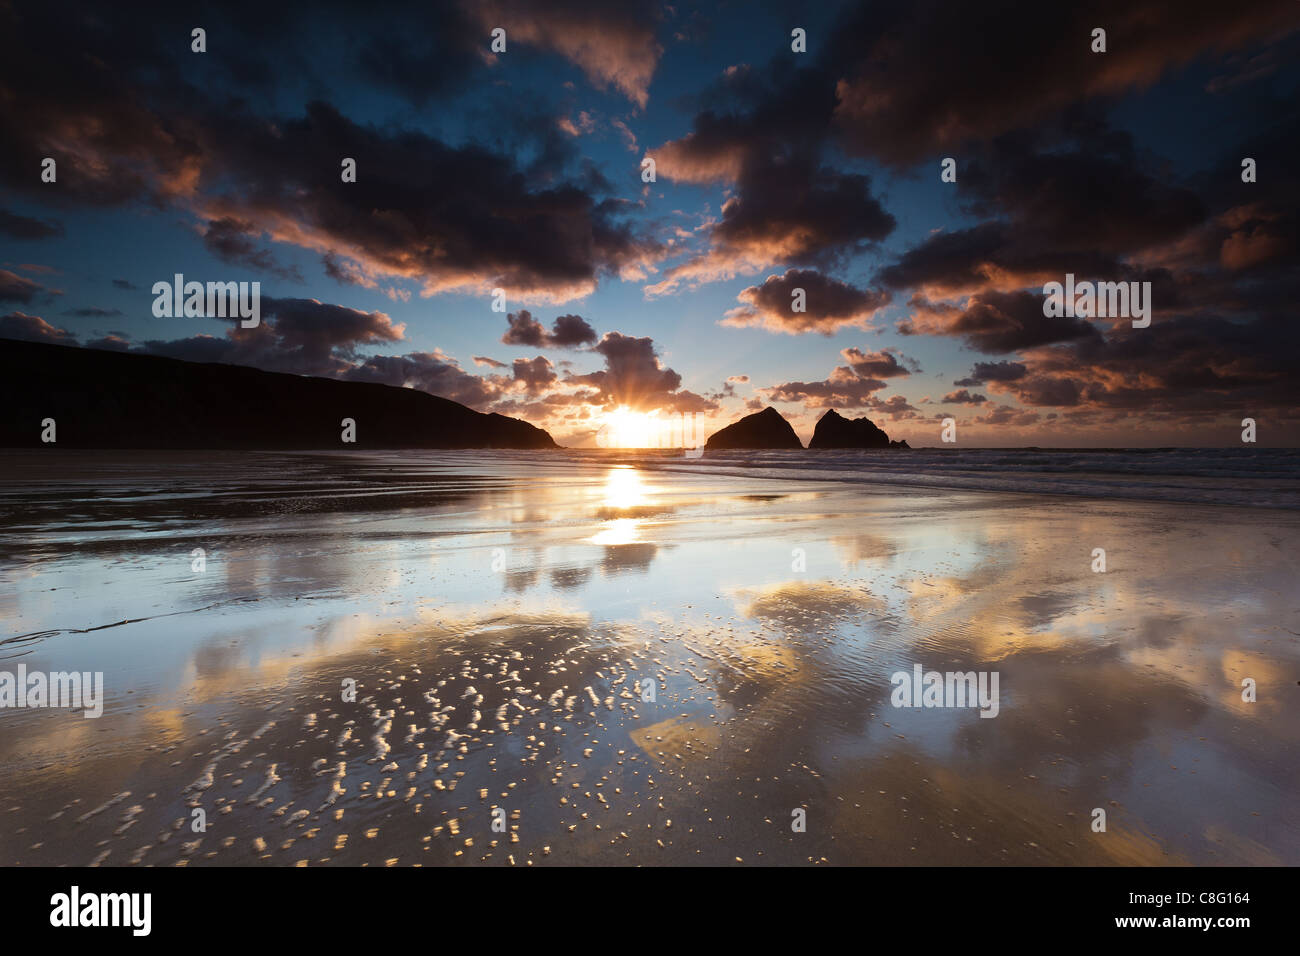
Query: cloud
point(626, 134)
point(232, 240)
point(830, 304)
point(1076, 196)
point(1006, 415)
point(893, 104)
point(788, 208)
point(567, 331)
point(17, 226)
point(963, 397)
point(95, 312)
point(14, 288)
point(993, 372)
point(633, 376)
point(316, 327)
point(131, 116)
point(302, 336)
point(614, 45)
point(429, 371)
point(1080, 185)
point(534, 375)
point(765, 134)
point(751, 118)
point(851, 386)
point(32, 328)
point(451, 218)
point(488, 362)
point(882, 364)
point(996, 322)
point(424, 51)
point(111, 342)
point(1193, 369)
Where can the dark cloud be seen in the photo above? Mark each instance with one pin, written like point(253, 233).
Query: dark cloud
point(749, 118)
point(430, 372)
point(829, 304)
point(632, 376)
point(992, 255)
point(963, 397)
point(234, 241)
point(789, 208)
point(303, 336)
point(125, 102)
point(842, 389)
point(894, 105)
point(112, 343)
point(786, 207)
point(95, 312)
point(851, 386)
point(883, 364)
point(16, 226)
point(570, 331)
point(997, 322)
point(32, 328)
point(15, 288)
point(421, 52)
point(315, 329)
point(1075, 196)
point(765, 132)
point(567, 331)
point(613, 44)
point(448, 217)
point(534, 375)
point(992, 372)
point(1095, 196)
point(1007, 415)
point(1192, 368)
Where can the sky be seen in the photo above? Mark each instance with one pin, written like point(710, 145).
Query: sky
point(782, 161)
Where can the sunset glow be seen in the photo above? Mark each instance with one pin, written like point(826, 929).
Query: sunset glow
point(626, 428)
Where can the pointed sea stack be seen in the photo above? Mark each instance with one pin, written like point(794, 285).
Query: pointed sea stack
point(765, 429)
point(835, 431)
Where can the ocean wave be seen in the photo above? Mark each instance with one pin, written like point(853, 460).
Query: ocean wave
point(1264, 477)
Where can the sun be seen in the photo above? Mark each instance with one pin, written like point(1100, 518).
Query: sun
point(624, 427)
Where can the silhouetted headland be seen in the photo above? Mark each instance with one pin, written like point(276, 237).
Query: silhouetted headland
point(102, 399)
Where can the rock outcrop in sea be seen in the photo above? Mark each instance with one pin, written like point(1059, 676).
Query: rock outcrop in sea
point(765, 429)
point(835, 431)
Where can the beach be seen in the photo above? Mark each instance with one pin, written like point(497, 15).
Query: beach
point(617, 659)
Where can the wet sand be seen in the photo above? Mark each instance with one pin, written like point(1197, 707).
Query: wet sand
point(500, 613)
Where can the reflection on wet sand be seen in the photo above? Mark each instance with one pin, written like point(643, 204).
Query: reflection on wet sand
point(638, 667)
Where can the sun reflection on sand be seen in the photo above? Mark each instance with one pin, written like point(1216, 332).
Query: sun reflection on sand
point(623, 490)
point(618, 531)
